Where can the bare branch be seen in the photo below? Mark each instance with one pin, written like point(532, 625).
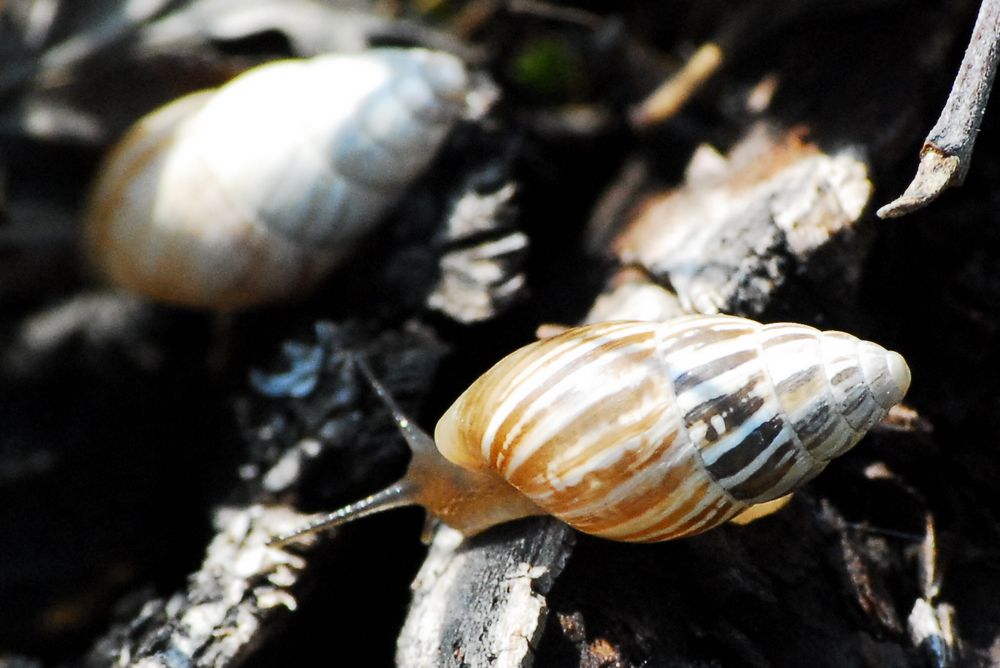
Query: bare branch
point(947, 150)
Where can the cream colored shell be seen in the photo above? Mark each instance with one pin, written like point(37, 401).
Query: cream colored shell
point(250, 193)
point(640, 431)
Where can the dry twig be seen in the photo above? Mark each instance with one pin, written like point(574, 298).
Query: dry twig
point(947, 150)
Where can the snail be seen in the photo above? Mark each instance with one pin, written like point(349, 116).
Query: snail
point(643, 431)
point(251, 193)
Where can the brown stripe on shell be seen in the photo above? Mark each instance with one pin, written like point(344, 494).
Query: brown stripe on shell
point(681, 524)
point(848, 386)
point(810, 406)
point(800, 393)
point(817, 426)
point(464, 429)
point(739, 458)
point(687, 519)
point(682, 500)
point(739, 410)
point(736, 409)
point(529, 410)
point(858, 405)
point(604, 431)
point(851, 399)
point(469, 421)
point(569, 504)
point(685, 335)
point(720, 512)
point(763, 483)
point(608, 495)
point(825, 429)
point(691, 378)
point(804, 382)
point(681, 485)
point(844, 375)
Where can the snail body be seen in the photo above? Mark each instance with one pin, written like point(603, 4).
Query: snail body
point(643, 432)
point(250, 193)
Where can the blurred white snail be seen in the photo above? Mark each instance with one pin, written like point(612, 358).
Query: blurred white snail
point(250, 193)
point(640, 431)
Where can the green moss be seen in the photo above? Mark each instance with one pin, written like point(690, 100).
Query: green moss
point(548, 68)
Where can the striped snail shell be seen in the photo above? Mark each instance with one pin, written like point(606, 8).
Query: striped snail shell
point(642, 431)
point(250, 193)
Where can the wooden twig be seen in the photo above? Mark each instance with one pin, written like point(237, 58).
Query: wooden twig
point(668, 98)
point(947, 150)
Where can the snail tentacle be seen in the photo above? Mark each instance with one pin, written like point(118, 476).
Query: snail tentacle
point(395, 496)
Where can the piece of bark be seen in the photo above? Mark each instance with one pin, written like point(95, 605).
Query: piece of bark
point(481, 601)
point(741, 223)
point(482, 271)
point(230, 603)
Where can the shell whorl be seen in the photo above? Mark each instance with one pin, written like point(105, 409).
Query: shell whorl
point(250, 193)
point(649, 431)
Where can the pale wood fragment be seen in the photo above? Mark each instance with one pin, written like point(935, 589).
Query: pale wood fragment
point(729, 236)
point(481, 602)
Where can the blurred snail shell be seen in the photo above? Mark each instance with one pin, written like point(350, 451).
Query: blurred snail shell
point(642, 431)
point(250, 193)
